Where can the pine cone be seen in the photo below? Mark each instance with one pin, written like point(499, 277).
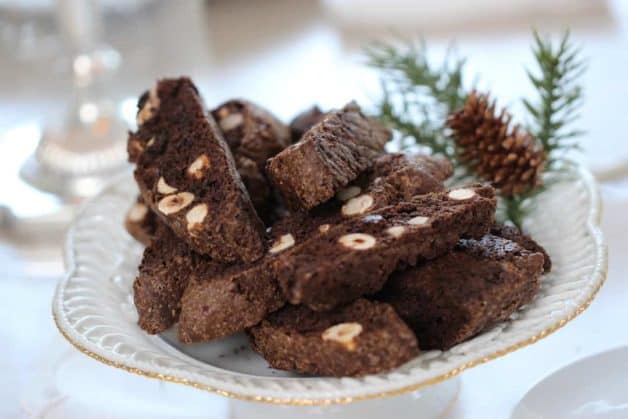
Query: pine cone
point(510, 158)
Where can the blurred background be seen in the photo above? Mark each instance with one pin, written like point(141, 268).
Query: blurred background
point(70, 75)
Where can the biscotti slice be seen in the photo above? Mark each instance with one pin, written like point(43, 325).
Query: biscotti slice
point(362, 338)
point(355, 257)
point(188, 177)
point(251, 131)
point(331, 154)
point(523, 240)
point(140, 222)
point(451, 299)
point(304, 121)
point(166, 267)
point(218, 305)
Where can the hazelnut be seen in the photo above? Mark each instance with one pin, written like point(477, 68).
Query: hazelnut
point(164, 188)
point(461, 194)
point(231, 121)
point(282, 243)
point(174, 203)
point(396, 231)
point(137, 213)
point(150, 142)
point(136, 147)
point(198, 167)
point(150, 107)
point(419, 221)
point(357, 241)
point(348, 193)
point(343, 333)
point(324, 228)
point(358, 205)
point(195, 216)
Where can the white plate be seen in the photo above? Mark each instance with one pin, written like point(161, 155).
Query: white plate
point(595, 387)
point(93, 308)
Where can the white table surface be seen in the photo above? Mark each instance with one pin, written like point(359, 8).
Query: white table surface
point(287, 65)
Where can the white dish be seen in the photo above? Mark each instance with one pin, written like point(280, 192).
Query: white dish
point(93, 308)
point(595, 387)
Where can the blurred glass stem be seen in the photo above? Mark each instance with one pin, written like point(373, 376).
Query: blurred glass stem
point(76, 156)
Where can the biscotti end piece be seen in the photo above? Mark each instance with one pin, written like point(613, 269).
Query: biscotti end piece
point(140, 222)
point(251, 131)
point(355, 257)
point(330, 155)
point(304, 121)
point(166, 267)
point(216, 305)
point(523, 240)
point(451, 299)
point(188, 177)
point(359, 339)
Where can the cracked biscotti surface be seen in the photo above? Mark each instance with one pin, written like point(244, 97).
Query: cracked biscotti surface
point(361, 338)
point(188, 177)
point(330, 155)
point(451, 299)
point(355, 257)
point(140, 222)
point(251, 131)
point(304, 121)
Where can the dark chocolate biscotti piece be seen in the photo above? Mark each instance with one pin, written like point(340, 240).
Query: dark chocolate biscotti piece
point(251, 131)
point(188, 177)
point(163, 275)
point(140, 222)
point(523, 240)
point(355, 257)
point(216, 305)
point(451, 299)
point(304, 121)
point(359, 339)
point(331, 154)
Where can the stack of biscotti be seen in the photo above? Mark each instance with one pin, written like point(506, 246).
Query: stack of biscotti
point(334, 255)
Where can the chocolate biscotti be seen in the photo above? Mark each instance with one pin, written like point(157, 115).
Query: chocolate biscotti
point(361, 338)
point(355, 257)
point(330, 155)
point(140, 222)
point(450, 299)
point(166, 267)
point(188, 177)
point(251, 131)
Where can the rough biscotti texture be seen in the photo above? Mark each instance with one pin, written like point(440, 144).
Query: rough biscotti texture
point(355, 257)
point(251, 131)
point(219, 304)
point(359, 339)
point(188, 177)
point(304, 121)
point(140, 222)
point(163, 275)
point(330, 155)
point(481, 282)
point(523, 240)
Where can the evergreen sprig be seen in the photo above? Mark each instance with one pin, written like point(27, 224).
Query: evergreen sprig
point(418, 96)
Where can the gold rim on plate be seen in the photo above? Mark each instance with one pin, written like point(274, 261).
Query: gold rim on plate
point(599, 272)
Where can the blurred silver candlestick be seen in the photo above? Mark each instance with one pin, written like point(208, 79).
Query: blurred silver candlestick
point(75, 158)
